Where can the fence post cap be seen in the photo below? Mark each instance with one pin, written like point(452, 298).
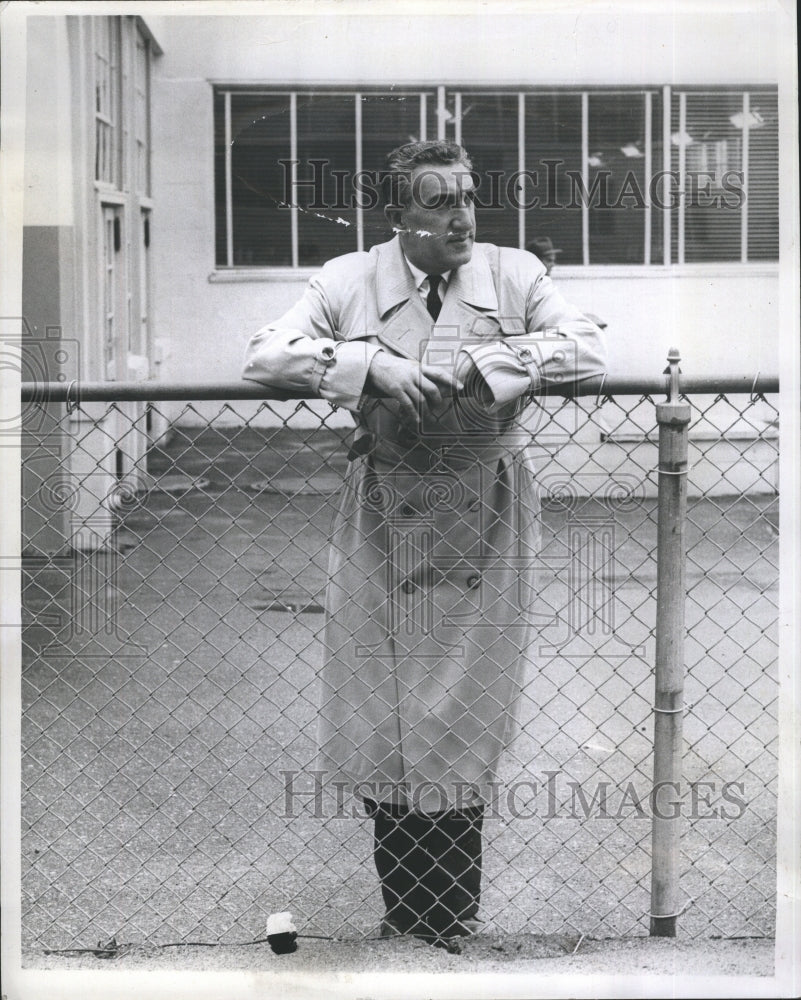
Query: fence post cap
point(673, 371)
point(671, 412)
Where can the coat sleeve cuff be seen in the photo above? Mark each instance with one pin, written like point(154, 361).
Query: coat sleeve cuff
point(508, 371)
point(343, 372)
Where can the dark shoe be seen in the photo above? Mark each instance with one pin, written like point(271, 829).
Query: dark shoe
point(389, 928)
point(466, 927)
point(447, 941)
point(469, 927)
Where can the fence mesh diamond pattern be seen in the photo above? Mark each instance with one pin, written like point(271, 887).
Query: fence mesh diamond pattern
point(174, 604)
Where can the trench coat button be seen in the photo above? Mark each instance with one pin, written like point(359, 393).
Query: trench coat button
point(408, 587)
point(524, 354)
point(473, 581)
point(327, 353)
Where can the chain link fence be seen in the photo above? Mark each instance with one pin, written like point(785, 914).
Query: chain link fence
point(175, 563)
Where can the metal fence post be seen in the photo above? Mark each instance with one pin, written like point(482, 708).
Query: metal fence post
point(673, 418)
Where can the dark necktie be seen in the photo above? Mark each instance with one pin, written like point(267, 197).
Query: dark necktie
point(433, 303)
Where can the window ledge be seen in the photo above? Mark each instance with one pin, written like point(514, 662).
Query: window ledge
point(239, 274)
point(712, 269)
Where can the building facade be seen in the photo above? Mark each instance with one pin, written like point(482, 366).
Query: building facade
point(185, 175)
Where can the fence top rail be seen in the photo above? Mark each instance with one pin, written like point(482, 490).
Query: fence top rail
point(77, 392)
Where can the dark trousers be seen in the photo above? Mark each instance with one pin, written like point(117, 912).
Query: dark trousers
point(429, 865)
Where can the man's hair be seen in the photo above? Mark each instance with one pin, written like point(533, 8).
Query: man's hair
point(405, 159)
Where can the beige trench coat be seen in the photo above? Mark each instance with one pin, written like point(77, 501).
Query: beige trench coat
point(431, 600)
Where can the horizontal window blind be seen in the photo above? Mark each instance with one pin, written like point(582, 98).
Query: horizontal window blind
point(763, 176)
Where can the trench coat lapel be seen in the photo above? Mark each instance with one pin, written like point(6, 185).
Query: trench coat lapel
point(472, 285)
point(469, 310)
point(404, 324)
point(470, 307)
point(394, 283)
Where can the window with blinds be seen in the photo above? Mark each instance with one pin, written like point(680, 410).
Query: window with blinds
point(725, 151)
point(638, 177)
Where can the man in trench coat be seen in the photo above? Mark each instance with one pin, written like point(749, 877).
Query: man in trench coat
point(437, 344)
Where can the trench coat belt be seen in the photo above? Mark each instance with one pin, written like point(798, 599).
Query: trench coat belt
point(388, 455)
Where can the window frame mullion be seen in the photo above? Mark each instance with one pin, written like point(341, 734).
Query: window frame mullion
point(229, 195)
point(441, 111)
point(293, 157)
point(585, 177)
point(357, 110)
point(682, 175)
point(647, 178)
point(667, 215)
point(745, 165)
point(521, 166)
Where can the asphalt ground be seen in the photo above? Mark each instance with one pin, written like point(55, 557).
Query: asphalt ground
point(172, 688)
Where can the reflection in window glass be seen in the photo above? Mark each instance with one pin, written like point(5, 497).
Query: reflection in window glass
point(617, 186)
point(324, 194)
point(657, 187)
point(259, 140)
point(388, 121)
point(707, 152)
point(553, 148)
point(489, 133)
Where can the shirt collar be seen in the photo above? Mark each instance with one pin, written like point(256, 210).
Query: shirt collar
point(420, 276)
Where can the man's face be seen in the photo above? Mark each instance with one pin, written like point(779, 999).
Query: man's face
point(549, 259)
point(439, 224)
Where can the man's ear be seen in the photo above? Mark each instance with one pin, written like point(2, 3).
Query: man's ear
point(394, 217)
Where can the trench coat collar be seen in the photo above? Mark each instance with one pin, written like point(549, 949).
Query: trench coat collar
point(471, 283)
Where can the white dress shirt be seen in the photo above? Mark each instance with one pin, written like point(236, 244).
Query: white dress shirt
point(421, 280)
